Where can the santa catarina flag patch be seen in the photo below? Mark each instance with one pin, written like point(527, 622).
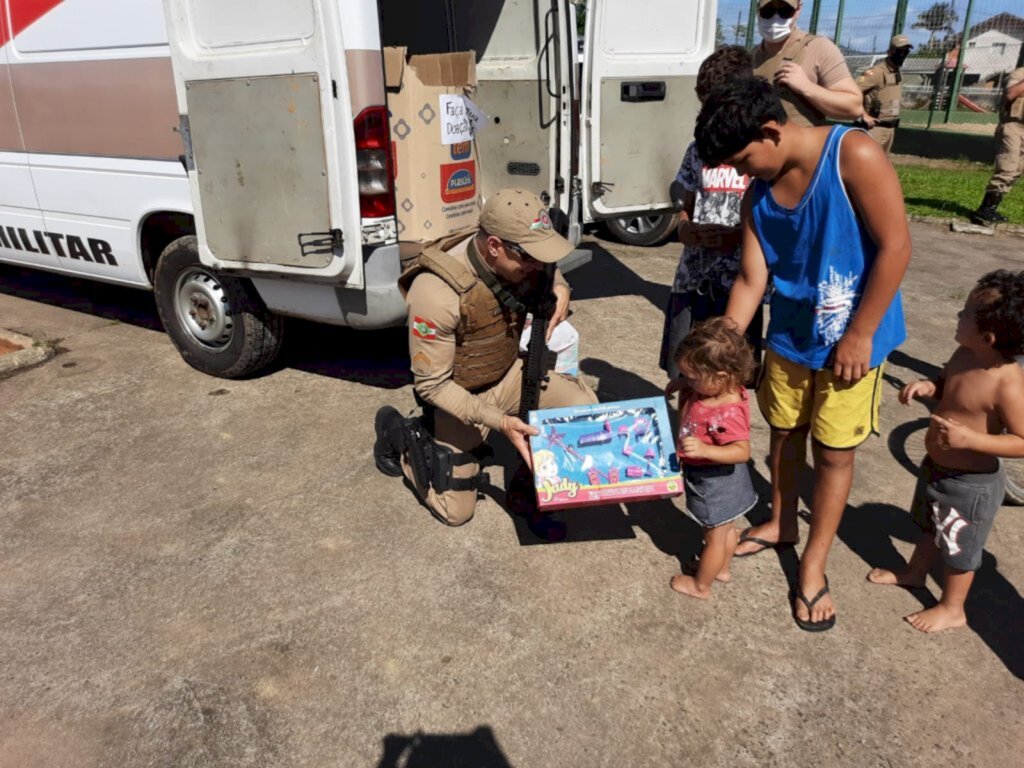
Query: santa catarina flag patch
point(423, 329)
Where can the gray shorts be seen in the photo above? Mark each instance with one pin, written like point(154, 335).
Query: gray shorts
point(717, 494)
point(959, 508)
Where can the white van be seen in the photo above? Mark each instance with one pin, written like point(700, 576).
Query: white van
point(141, 143)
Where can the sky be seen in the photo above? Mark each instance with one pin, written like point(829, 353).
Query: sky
point(867, 24)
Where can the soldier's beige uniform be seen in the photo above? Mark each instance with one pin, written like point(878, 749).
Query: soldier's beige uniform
point(882, 86)
point(1009, 140)
point(818, 57)
point(464, 349)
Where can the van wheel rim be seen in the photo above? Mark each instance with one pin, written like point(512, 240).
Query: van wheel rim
point(202, 308)
point(641, 225)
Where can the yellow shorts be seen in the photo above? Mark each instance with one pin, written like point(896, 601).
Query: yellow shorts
point(840, 415)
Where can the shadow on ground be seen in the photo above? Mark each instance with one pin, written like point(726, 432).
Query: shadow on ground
point(995, 609)
point(111, 302)
point(946, 206)
point(479, 749)
point(606, 276)
point(375, 358)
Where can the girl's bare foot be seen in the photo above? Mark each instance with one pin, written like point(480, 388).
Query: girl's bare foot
point(901, 578)
point(937, 619)
point(687, 585)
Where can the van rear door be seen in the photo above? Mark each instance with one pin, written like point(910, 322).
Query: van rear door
point(639, 104)
point(22, 233)
point(270, 145)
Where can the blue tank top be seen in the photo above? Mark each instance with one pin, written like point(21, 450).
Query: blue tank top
point(820, 255)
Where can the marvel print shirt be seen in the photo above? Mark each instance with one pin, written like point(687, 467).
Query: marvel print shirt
point(717, 193)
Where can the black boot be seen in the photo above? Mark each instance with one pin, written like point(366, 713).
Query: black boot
point(387, 449)
point(987, 215)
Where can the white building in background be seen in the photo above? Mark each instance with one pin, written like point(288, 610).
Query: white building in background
point(994, 47)
point(991, 53)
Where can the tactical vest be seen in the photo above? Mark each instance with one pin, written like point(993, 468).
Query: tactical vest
point(799, 111)
point(487, 336)
point(887, 94)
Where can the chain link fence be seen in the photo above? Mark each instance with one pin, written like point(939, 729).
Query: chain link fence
point(946, 85)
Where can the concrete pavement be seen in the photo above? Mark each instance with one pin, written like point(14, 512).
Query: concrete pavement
point(197, 572)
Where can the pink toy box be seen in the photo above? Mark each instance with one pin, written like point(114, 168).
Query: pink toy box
point(604, 454)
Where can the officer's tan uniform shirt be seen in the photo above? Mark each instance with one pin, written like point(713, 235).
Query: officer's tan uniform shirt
point(433, 320)
point(882, 88)
point(818, 57)
point(1013, 110)
point(1009, 140)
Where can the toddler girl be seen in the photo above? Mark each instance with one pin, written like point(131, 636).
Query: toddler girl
point(715, 362)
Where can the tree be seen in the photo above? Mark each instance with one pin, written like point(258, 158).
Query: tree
point(941, 17)
point(581, 18)
point(719, 34)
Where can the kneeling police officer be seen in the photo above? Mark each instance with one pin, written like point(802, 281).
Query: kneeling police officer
point(467, 299)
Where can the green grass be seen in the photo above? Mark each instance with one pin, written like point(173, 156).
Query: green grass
point(947, 193)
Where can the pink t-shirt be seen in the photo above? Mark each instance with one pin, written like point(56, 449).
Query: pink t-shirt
point(716, 424)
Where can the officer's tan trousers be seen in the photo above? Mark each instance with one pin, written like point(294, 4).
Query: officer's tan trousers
point(1009, 157)
point(884, 136)
point(457, 507)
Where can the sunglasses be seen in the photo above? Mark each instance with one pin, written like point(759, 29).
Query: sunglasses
point(783, 10)
point(522, 255)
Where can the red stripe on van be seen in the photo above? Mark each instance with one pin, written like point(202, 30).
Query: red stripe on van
point(25, 13)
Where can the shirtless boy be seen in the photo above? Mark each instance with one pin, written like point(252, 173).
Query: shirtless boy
point(980, 417)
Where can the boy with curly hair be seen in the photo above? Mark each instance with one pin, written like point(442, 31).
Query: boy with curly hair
point(979, 417)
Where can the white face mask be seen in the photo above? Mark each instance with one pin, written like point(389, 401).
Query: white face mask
point(776, 28)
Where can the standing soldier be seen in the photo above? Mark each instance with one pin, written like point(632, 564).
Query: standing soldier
point(813, 80)
point(1010, 155)
point(882, 86)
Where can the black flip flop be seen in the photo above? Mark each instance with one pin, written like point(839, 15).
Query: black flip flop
point(813, 626)
point(745, 536)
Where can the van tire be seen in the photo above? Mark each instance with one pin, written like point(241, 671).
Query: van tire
point(642, 229)
point(218, 323)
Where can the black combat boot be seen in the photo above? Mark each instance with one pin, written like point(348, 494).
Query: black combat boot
point(387, 449)
point(987, 215)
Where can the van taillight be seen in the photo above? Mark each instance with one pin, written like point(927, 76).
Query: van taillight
point(373, 157)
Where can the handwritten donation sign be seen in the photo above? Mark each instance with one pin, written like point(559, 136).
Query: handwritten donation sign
point(460, 119)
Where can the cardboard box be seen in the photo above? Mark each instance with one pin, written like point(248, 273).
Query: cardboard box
point(436, 188)
point(604, 454)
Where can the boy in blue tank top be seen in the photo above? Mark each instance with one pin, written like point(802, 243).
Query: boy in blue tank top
point(825, 218)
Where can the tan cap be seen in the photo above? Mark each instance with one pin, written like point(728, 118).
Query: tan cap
point(520, 217)
point(900, 41)
point(790, 3)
